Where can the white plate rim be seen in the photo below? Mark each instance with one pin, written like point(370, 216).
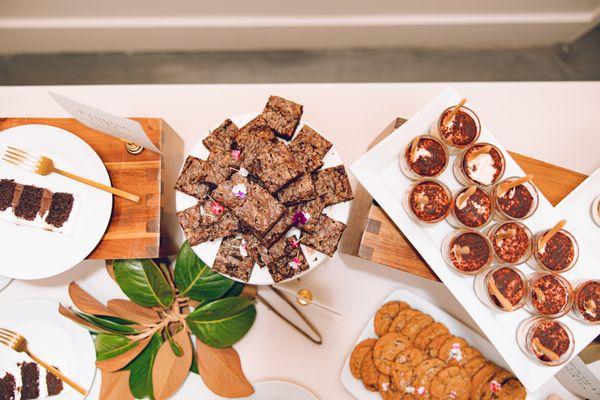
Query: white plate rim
point(340, 211)
point(101, 228)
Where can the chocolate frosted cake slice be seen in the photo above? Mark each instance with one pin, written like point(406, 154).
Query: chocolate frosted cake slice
point(8, 387)
point(53, 384)
point(38, 207)
point(30, 378)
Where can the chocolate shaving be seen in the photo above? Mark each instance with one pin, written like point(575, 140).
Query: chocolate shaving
point(461, 200)
point(506, 304)
point(506, 186)
point(548, 235)
point(414, 146)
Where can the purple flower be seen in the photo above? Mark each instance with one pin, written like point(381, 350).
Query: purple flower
point(300, 218)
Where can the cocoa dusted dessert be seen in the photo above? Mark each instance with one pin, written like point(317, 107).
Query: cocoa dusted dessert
point(428, 201)
point(586, 305)
point(481, 164)
point(504, 288)
point(555, 250)
point(550, 295)
point(468, 251)
point(546, 340)
point(34, 206)
point(471, 208)
point(424, 157)
point(511, 242)
point(515, 198)
point(457, 129)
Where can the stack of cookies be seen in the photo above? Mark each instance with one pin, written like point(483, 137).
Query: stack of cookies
point(415, 357)
point(263, 191)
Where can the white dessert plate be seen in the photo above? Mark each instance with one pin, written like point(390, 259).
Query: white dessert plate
point(577, 208)
point(194, 388)
point(51, 337)
point(4, 282)
point(32, 253)
point(457, 328)
point(379, 172)
point(207, 251)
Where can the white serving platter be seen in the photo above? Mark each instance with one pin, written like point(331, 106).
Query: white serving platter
point(207, 251)
point(379, 172)
point(457, 328)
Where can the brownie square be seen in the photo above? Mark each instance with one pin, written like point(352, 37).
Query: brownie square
point(299, 191)
point(191, 221)
point(332, 185)
point(253, 130)
point(283, 116)
point(221, 139)
point(326, 235)
point(256, 249)
point(280, 228)
point(60, 209)
point(306, 215)
point(233, 259)
point(29, 203)
point(309, 148)
point(272, 162)
point(289, 266)
point(250, 202)
point(220, 166)
point(191, 179)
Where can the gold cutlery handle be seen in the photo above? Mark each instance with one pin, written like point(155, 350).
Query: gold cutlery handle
point(57, 373)
point(116, 192)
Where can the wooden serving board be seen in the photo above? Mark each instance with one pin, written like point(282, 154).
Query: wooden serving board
point(372, 235)
point(134, 230)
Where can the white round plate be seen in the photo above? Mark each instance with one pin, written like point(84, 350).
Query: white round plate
point(31, 253)
point(51, 337)
point(207, 251)
point(4, 282)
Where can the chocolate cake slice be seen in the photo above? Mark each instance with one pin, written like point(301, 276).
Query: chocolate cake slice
point(60, 209)
point(30, 376)
point(7, 192)
point(30, 202)
point(8, 387)
point(53, 384)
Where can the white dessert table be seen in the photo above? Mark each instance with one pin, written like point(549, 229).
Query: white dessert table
point(552, 121)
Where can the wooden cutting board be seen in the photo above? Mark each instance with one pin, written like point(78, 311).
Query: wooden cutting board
point(372, 235)
point(134, 230)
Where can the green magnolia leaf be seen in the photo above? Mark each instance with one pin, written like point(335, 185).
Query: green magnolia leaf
point(140, 377)
point(144, 283)
point(194, 366)
point(222, 322)
point(235, 290)
point(196, 280)
point(109, 346)
point(107, 324)
point(177, 350)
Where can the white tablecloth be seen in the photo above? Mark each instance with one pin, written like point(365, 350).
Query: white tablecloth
point(556, 122)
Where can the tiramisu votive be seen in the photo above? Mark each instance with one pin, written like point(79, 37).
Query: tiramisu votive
point(428, 201)
point(515, 198)
point(546, 340)
point(457, 130)
point(511, 242)
point(424, 157)
point(481, 164)
point(468, 251)
point(471, 208)
point(586, 306)
point(554, 250)
point(502, 288)
point(550, 295)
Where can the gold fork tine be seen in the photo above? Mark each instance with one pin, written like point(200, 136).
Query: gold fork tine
point(18, 163)
point(21, 154)
point(19, 159)
point(8, 331)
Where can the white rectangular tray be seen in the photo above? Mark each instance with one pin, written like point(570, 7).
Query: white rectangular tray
point(379, 172)
point(355, 386)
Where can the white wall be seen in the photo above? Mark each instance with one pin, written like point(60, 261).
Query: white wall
point(138, 25)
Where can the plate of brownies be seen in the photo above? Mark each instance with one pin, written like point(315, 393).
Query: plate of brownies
point(263, 198)
point(50, 223)
point(515, 263)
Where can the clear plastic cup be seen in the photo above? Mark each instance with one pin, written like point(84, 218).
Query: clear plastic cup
point(485, 170)
point(467, 251)
point(508, 281)
point(511, 242)
point(549, 295)
point(430, 160)
point(461, 132)
point(547, 341)
point(476, 211)
point(562, 261)
point(586, 302)
point(437, 197)
point(515, 208)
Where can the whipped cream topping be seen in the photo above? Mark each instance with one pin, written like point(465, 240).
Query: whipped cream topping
point(421, 152)
point(481, 169)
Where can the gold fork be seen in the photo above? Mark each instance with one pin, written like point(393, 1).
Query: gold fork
point(42, 165)
point(19, 344)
